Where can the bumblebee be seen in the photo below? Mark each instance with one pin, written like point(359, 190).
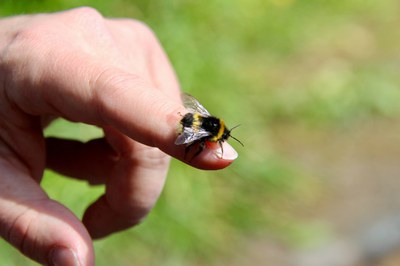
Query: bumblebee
point(198, 126)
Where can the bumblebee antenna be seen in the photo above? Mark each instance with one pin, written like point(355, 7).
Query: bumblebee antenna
point(233, 136)
point(237, 140)
point(235, 127)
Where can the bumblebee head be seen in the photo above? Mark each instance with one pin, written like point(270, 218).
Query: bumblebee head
point(227, 134)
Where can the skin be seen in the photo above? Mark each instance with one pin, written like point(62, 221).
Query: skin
point(111, 73)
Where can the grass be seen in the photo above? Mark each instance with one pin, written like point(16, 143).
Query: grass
point(256, 63)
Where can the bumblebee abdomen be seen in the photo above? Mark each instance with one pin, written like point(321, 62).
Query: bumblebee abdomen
point(193, 121)
point(187, 120)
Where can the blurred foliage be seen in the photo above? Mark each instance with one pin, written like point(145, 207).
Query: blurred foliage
point(259, 64)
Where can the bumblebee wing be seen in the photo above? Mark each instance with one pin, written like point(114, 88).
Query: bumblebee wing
point(190, 135)
point(193, 105)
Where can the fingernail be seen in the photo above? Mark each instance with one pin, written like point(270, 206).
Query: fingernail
point(229, 153)
point(61, 256)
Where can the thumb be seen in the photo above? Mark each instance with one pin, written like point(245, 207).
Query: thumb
point(40, 228)
point(146, 114)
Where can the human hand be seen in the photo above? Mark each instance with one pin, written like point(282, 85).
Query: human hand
point(106, 72)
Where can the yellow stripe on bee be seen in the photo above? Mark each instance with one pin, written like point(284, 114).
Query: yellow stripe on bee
point(220, 131)
point(196, 121)
point(179, 128)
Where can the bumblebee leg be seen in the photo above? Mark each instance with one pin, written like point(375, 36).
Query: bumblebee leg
point(222, 148)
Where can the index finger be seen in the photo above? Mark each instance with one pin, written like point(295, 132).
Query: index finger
point(149, 116)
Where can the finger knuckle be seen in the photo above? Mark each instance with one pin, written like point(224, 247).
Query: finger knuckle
point(140, 30)
point(109, 88)
point(19, 228)
point(32, 37)
point(86, 13)
point(153, 159)
point(137, 196)
point(133, 211)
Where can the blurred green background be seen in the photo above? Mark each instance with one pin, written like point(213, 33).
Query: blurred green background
point(298, 76)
